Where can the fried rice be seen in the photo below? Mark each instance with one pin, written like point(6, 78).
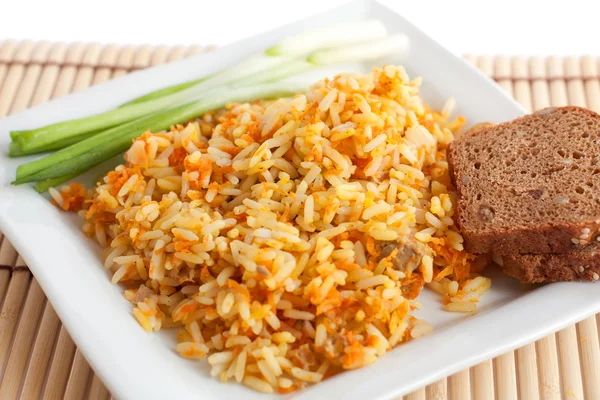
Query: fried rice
point(288, 240)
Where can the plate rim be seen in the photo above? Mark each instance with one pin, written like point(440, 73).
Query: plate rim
point(574, 291)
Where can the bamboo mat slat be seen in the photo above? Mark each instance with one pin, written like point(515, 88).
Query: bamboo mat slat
point(60, 366)
point(437, 390)
point(11, 309)
point(23, 339)
point(590, 356)
point(78, 378)
point(505, 377)
point(459, 385)
point(108, 57)
point(526, 365)
point(38, 359)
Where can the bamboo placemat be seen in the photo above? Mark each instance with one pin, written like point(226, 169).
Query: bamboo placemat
point(38, 358)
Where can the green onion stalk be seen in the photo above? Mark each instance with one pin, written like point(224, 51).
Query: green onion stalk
point(96, 149)
point(270, 62)
point(85, 142)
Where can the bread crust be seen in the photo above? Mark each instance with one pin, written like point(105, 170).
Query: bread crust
point(502, 210)
point(579, 265)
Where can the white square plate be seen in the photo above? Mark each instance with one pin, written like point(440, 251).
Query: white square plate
point(139, 365)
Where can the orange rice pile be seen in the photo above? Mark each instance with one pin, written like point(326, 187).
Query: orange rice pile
point(287, 240)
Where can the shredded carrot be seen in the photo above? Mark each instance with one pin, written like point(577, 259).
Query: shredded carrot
point(118, 178)
point(412, 285)
point(444, 273)
point(177, 157)
point(354, 356)
point(291, 389)
point(185, 311)
point(73, 198)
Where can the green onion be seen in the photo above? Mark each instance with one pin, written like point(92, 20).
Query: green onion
point(15, 150)
point(294, 67)
point(88, 141)
point(15, 134)
point(98, 148)
point(260, 66)
point(77, 164)
point(38, 139)
point(69, 159)
point(395, 44)
point(251, 71)
point(44, 185)
point(163, 92)
point(337, 35)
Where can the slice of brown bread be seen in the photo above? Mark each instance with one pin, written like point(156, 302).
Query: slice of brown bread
point(531, 185)
point(576, 265)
